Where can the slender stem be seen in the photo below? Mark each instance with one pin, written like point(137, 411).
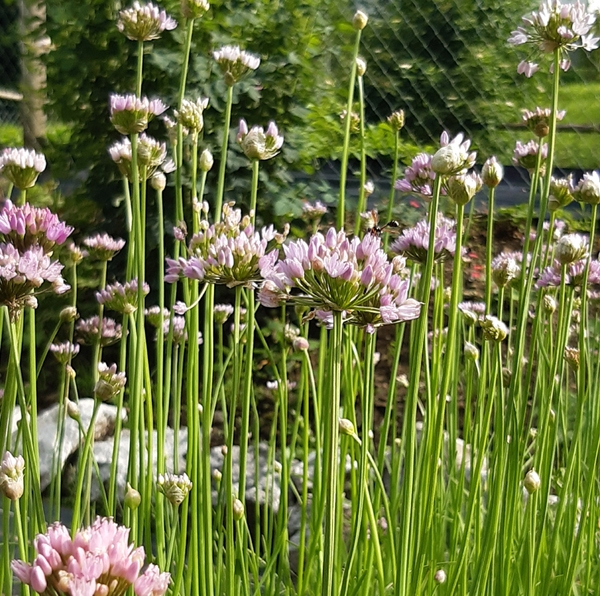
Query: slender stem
point(222, 165)
point(390, 211)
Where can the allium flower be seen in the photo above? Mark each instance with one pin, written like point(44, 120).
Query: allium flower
point(527, 68)
point(222, 312)
point(11, 476)
point(561, 192)
point(121, 297)
point(506, 268)
point(175, 488)
point(258, 144)
point(492, 172)
point(396, 120)
point(206, 161)
point(453, 156)
point(235, 63)
point(493, 329)
point(26, 226)
point(312, 211)
point(151, 155)
point(64, 351)
point(354, 120)
point(194, 9)
point(336, 273)
point(154, 316)
point(555, 26)
point(360, 20)
point(550, 277)
point(228, 252)
point(98, 560)
point(144, 22)
point(414, 242)
point(21, 166)
point(88, 331)
point(525, 155)
point(76, 254)
point(472, 311)
point(418, 177)
point(130, 114)
point(104, 247)
point(588, 189)
point(23, 273)
point(571, 357)
point(180, 336)
point(461, 188)
point(190, 116)
point(110, 382)
point(571, 248)
point(538, 122)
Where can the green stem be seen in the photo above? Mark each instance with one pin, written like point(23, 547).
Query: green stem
point(223, 164)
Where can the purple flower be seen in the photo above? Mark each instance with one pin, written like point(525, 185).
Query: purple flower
point(337, 273)
point(235, 63)
point(130, 114)
point(418, 177)
point(21, 166)
point(551, 276)
point(64, 351)
point(103, 246)
point(88, 331)
point(110, 382)
point(526, 155)
point(229, 252)
point(555, 26)
point(121, 297)
point(538, 121)
point(28, 226)
point(414, 242)
point(144, 22)
point(256, 144)
point(98, 560)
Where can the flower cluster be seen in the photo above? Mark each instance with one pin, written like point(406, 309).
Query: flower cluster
point(175, 488)
point(21, 167)
point(109, 383)
point(64, 351)
point(588, 189)
point(258, 144)
point(414, 242)
point(130, 114)
point(121, 297)
point(538, 121)
point(555, 27)
point(561, 192)
point(227, 252)
point(11, 476)
point(151, 155)
point(88, 331)
point(235, 63)
point(103, 246)
point(144, 22)
point(194, 9)
point(526, 155)
point(453, 156)
point(418, 177)
point(97, 560)
point(190, 115)
point(574, 272)
point(336, 273)
point(506, 267)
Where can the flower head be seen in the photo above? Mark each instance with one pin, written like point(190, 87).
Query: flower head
point(396, 120)
point(235, 63)
point(190, 115)
point(492, 172)
point(555, 27)
point(144, 22)
point(418, 177)
point(88, 331)
point(11, 476)
point(335, 273)
point(588, 189)
point(526, 155)
point(414, 242)
point(97, 560)
point(109, 383)
point(538, 121)
point(121, 297)
point(229, 252)
point(453, 156)
point(574, 273)
point(103, 246)
point(194, 9)
point(130, 114)
point(21, 166)
point(461, 188)
point(258, 144)
point(64, 351)
point(506, 268)
point(175, 488)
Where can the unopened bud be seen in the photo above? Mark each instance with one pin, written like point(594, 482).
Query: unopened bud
point(11, 476)
point(361, 66)
point(158, 181)
point(571, 248)
point(346, 427)
point(238, 510)
point(493, 329)
point(300, 343)
point(223, 450)
point(550, 304)
point(492, 172)
point(396, 120)
point(132, 497)
point(73, 410)
point(217, 475)
point(440, 576)
point(572, 357)
point(206, 161)
point(506, 378)
point(471, 351)
point(68, 314)
point(360, 20)
point(532, 481)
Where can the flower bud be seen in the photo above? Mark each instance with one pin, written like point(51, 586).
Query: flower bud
point(175, 488)
point(359, 22)
point(346, 427)
point(440, 576)
point(571, 248)
point(492, 172)
point(550, 304)
point(68, 314)
point(73, 410)
point(300, 343)
point(194, 9)
point(132, 497)
point(238, 510)
point(471, 351)
point(396, 120)
point(493, 329)
point(462, 188)
point(206, 161)
point(361, 66)
point(532, 481)
point(571, 356)
point(158, 181)
point(506, 377)
point(11, 476)
point(217, 475)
